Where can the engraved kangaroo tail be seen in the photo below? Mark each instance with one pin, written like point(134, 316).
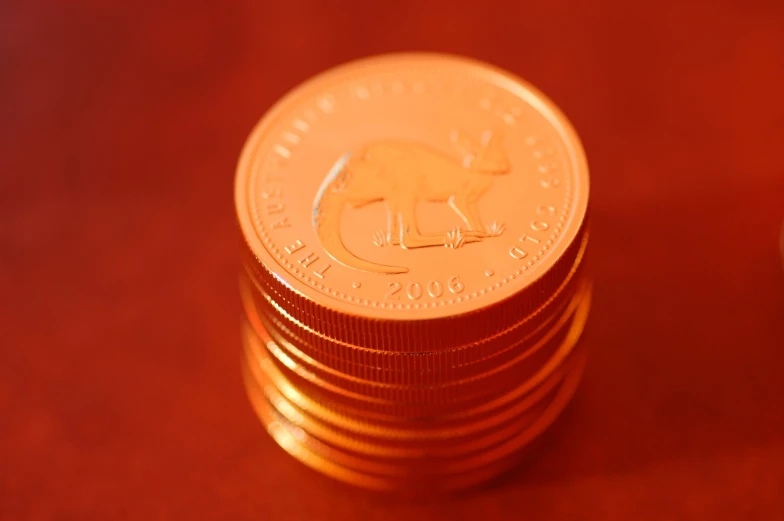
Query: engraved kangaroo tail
point(332, 197)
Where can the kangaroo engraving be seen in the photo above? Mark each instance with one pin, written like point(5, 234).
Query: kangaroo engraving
point(401, 174)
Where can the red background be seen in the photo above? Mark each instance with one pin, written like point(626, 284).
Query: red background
point(120, 389)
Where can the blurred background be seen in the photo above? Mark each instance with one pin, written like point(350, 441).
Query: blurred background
point(120, 129)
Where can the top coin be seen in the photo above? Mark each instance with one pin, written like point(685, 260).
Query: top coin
point(411, 186)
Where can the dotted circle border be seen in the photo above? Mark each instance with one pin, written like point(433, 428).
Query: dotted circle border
point(418, 88)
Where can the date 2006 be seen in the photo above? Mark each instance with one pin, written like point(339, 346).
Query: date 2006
point(415, 290)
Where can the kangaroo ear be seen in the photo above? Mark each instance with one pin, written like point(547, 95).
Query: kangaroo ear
point(463, 144)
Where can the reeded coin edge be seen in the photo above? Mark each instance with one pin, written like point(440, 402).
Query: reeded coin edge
point(319, 463)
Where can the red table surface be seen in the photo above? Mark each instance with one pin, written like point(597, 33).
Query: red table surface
point(120, 388)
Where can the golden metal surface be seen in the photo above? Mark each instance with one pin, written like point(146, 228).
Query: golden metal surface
point(419, 412)
point(413, 277)
point(300, 200)
point(465, 472)
point(381, 352)
point(485, 378)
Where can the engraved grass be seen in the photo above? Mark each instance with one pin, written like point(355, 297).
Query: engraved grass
point(454, 239)
point(495, 229)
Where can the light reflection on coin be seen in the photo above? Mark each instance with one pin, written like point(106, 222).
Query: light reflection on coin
point(413, 277)
point(434, 188)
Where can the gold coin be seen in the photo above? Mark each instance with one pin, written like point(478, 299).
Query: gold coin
point(413, 201)
point(515, 363)
point(397, 363)
point(446, 368)
point(461, 473)
point(413, 271)
point(431, 404)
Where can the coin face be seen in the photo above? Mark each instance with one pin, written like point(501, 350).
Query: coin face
point(411, 187)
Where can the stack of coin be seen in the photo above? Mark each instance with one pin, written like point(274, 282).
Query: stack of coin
point(415, 228)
